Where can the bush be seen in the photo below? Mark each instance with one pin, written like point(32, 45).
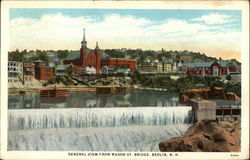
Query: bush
point(186, 83)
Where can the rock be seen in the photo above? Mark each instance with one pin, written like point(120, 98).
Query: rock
point(206, 136)
point(232, 96)
point(209, 93)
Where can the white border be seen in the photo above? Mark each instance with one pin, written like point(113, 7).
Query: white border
point(225, 5)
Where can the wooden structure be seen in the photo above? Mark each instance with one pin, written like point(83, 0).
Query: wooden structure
point(113, 90)
point(53, 92)
point(228, 113)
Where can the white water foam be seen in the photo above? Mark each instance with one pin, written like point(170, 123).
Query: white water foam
point(25, 119)
point(126, 138)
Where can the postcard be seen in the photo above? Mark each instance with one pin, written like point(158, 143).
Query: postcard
point(124, 80)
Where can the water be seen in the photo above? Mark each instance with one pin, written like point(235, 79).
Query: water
point(96, 117)
point(126, 138)
point(136, 98)
point(85, 121)
point(95, 129)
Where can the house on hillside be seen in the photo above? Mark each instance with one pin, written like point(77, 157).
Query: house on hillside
point(210, 69)
point(62, 70)
point(107, 70)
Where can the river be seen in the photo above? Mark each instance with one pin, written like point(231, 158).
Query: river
point(85, 121)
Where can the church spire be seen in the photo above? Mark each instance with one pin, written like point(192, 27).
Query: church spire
point(97, 47)
point(84, 34)
point(84, 42)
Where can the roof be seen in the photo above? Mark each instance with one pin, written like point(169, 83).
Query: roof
point(39, 61)
point(208, 64)
point(122, 70)
point(223, 64)
point(27, 61)
point(62, 67)
point(200, 64)
point(104, 55)
point(44, 67)
point(167, 60)
point(75, 55)
point(122, 59)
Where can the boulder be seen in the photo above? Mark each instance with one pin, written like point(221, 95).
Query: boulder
point(209, 93)
point(206, 136)
point(232, 96)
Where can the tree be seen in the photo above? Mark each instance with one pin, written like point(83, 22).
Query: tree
point(228, 77)
point(70, 70)
point(42, 55)
point(62, 54)
point(178, 57)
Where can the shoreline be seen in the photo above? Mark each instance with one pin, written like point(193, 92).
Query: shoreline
point(16, 91)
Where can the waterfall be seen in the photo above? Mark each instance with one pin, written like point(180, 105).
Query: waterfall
point(125, 138)
point(25, 119)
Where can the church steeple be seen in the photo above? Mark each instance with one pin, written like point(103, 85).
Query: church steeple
point(84, 42)
point(97, 47)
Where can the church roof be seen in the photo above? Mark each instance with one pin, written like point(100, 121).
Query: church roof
point(104, 55)
point(75, 55)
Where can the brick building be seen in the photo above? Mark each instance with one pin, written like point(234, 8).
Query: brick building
point(210, 69)
point(113, 62)
point(28, 71)
point(93, 59)
point(43, 72)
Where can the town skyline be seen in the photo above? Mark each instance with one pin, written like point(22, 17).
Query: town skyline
point(206, 31)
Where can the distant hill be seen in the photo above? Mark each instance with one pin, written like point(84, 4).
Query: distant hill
point(138, 54)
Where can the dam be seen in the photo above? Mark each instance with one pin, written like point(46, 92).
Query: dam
point(85, 121)
point(96, 129)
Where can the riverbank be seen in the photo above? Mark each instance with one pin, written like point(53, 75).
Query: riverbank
point(83, 88)
point(206, 136)
point(25, 90)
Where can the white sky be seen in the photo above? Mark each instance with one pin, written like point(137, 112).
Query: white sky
point(206, 33)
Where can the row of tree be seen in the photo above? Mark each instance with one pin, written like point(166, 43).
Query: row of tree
point(185, 83)
point(140, 55)
point(36, 55)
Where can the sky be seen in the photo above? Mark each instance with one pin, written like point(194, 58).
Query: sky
point(213, 32)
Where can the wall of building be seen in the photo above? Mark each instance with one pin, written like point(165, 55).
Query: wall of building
point(28, 71)
point(44, 73)
point(119, 62)
point(15, 72)
point(155, 67)
point(92, 58)
point(201, 70)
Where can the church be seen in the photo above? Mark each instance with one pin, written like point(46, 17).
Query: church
point(94, 59)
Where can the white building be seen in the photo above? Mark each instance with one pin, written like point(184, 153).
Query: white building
point(15, 72)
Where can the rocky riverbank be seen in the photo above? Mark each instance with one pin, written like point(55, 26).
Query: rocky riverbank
point(206, 136)
point(209, 93)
